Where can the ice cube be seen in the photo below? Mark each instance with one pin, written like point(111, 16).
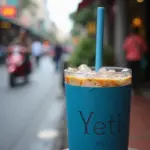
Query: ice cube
point(112, 71)
point(80, 74)
point(102, 75)
point(116, 76)
point(125, 70)
point(84, 68)
point(125, 73)
point(102, 70)
point(71, 69)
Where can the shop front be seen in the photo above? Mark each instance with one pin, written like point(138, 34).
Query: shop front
point(138, 15)
point(128, 14)
point(8, 30)
point(8, 26)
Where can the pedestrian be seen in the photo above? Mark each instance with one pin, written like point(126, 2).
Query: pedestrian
point(37, 50)
point(58, 53)
point(134, 47)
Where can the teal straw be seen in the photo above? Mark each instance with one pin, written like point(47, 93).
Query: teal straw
point(99, 38)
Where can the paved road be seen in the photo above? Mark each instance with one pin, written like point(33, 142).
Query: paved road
point(30, 114)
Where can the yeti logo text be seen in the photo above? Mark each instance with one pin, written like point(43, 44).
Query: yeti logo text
point(100, 126)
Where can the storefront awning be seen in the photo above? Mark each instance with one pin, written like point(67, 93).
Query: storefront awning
point(36, 33)
point(84, 4)
point(12, 21)
point(31, 30)
point(8, 20)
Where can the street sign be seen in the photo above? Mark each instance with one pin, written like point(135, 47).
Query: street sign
point(8, 11)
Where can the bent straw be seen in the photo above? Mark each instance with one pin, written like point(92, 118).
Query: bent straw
point(99, 38)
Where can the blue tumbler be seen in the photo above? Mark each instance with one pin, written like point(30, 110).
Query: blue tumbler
point(98, 117)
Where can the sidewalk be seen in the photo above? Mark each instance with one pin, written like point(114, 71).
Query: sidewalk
point(140, 123)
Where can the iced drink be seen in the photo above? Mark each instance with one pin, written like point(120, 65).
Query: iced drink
point(98, 108)
point(106, 77)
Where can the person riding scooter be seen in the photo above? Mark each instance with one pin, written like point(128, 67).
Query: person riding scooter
point(25, 42)
point(18, 60)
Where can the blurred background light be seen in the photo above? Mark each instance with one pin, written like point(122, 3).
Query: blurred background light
point(137, 22)
point(140, 1)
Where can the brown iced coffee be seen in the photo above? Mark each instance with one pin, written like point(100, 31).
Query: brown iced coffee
point(105, 77)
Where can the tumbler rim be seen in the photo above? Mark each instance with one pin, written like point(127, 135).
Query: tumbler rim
point(117, 69)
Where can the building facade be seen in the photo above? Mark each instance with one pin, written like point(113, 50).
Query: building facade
point(2, 2)
point(39, 19)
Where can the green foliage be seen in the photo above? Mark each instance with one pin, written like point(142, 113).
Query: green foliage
point(75, 31)
point(108, 56)
point(85, 54)
point(85, 50)
point(83, 16)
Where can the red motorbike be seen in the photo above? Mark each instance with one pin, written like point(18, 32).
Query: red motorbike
point(17, 64)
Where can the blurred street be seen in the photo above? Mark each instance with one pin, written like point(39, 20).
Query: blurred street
point(33, 115)
point(30, 114)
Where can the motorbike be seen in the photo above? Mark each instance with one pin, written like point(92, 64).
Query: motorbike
point(17, 66)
